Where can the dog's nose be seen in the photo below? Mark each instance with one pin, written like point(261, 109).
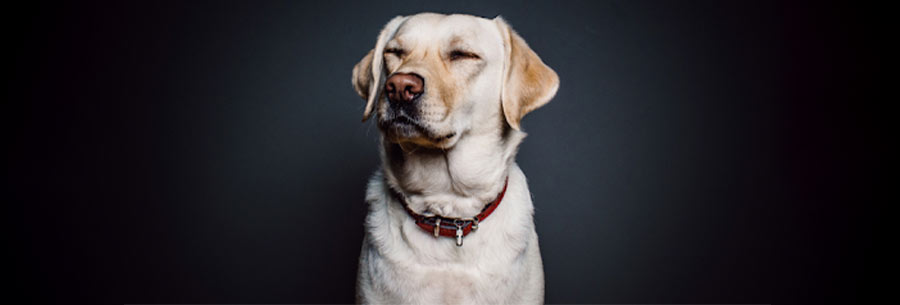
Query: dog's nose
point(404, 87)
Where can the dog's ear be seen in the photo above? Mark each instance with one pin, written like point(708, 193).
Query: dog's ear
point(369, 74)
point(528, 83)
point(362, 75)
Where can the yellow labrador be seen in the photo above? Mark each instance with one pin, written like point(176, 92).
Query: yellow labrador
point(450, 217)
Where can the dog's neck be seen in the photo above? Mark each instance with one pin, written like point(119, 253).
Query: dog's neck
point(456, 182)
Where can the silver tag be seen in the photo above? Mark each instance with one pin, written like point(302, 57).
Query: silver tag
point(437, 228)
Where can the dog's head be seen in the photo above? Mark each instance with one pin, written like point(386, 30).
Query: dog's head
point(433, 78)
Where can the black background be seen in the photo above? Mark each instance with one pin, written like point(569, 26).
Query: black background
point(696, 152)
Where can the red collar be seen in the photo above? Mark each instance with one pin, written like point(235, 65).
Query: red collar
point(451, 227)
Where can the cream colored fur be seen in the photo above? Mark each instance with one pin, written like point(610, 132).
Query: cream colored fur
point(453, 165)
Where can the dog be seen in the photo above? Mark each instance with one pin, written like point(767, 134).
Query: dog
point(450, 216)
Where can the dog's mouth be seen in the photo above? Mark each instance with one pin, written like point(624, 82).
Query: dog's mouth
point(403, 128)
point(404, 120)
point(403, 125)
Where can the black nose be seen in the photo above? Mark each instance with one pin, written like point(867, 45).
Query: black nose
point(404, 87)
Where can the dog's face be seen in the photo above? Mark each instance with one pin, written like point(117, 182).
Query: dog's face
point(433, 78)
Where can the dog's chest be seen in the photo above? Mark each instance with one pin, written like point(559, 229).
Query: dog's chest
point(423, 269)
point(499, 263)
point(449, 283)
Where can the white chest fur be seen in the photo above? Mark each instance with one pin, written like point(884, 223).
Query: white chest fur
point(500, 263)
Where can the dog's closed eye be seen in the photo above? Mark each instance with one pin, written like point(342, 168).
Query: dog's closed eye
point(395, 51)
point(461, 54)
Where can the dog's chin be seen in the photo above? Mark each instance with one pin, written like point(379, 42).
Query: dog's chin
point(411, 135)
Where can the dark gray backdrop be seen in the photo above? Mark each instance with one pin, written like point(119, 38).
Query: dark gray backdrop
point(194, 153)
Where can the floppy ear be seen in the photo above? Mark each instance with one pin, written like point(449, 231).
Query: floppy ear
point(528, 83)
point(368, 74)
point(362, 76)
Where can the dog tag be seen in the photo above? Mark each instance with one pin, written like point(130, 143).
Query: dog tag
point(437, 228)
point(459, 235)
